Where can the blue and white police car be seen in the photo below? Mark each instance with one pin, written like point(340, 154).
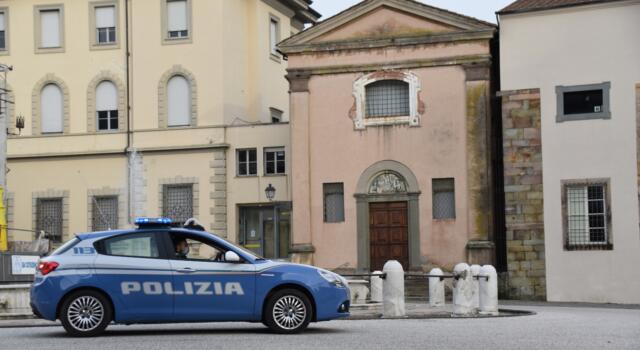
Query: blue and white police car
point(158, 273)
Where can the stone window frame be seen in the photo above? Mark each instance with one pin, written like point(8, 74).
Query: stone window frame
point(36, 28)
point(93, 40)
point(92, 116)
point(36, 118)
point(51, 194)
point(606, 182)
point(273, 18)
point(5, 51)
point(416, 108)
point(164, 27)
point(606, 105)
point(179, 180)
point(107, 192)
point(163, 98)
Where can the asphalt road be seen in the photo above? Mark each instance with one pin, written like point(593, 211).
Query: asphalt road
point(551, 328)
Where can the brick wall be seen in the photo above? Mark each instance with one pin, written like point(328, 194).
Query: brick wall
point(525, 278)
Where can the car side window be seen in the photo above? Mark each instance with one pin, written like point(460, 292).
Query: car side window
point(189, 247)
point(140, 245)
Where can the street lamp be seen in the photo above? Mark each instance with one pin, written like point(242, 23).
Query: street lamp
point(270, 192)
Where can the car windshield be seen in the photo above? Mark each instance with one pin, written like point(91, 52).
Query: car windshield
point(245, 250)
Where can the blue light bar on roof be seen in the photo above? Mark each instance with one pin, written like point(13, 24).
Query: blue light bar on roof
point(152, 221)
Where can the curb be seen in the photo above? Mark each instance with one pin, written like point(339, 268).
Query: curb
point(442, 315)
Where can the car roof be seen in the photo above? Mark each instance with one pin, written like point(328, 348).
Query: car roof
point(159, 229)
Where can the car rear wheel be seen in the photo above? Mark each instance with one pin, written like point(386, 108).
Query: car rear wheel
point(85, 313)
point(288, 311)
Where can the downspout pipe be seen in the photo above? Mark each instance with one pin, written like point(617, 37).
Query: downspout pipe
point(127, 151)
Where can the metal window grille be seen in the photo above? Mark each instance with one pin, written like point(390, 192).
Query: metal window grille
point(108, 120)
point(247, 162)
point(444, 199)
point(104, 213)
point(387, 98)
point(274, 161)
point(177, 202)
point(333, 202)
point(106, 35)
point(49, 218)
point(587, 226)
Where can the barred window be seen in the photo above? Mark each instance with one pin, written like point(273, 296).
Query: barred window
point(49, 218)
point(104, 213)
point(177, 202)
point(247, 162)
point(444, 198)
point(274, 161)
point(586, 217)
point(387, 98)
point(333, 202)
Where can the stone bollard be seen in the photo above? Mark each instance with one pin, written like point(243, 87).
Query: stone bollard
point(376, 287)
point(475, 272)
point(463, 291)
point(393, 290)
point(488, 291)
point(436, 288)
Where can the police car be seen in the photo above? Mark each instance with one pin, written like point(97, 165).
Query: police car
point(158, 273)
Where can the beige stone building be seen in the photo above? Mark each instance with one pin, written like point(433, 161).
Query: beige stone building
point(177, 108)
point(397, 96)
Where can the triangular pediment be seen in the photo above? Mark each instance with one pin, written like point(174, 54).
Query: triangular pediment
point(386, 19)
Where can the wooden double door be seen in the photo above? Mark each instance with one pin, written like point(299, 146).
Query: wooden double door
point(388, 234)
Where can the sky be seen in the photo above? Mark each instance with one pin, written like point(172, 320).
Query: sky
point(481, 9)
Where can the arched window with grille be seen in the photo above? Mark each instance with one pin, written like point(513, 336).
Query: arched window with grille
point(178, 101)
point(107, 106)
point(387, 98)
point(52, 109)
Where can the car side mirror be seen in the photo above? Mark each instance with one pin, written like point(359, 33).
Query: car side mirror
point(231, 257)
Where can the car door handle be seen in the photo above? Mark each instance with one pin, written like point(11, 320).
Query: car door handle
point(186, 270)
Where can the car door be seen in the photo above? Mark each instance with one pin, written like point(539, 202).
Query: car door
point(209, 289)
point(133, 268)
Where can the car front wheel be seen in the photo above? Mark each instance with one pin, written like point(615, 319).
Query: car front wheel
point(85, 313)
point(288, 311)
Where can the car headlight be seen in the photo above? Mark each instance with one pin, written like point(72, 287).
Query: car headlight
point(333, 278)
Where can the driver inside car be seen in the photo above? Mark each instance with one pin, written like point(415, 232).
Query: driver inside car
point(181, 248)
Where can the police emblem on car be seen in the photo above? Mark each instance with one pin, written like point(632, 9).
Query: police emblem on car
point(160, 272)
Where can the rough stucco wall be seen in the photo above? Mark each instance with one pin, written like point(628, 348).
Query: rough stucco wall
point(523, 195)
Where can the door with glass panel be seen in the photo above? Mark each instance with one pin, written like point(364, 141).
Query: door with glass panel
point(265, 230)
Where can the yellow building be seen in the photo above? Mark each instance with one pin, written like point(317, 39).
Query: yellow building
point(173, 108)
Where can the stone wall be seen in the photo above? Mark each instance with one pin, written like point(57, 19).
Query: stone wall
point(522, 147)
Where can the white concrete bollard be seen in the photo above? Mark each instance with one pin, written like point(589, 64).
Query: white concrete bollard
point(376, 287)
point(463, 291)
point(488, 291)
point(436, 288)
point(475, 271)
point(393, 290)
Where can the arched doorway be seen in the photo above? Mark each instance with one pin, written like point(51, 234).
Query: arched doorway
point(388, 216)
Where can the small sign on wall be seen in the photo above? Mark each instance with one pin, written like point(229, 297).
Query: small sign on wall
point(24, 264)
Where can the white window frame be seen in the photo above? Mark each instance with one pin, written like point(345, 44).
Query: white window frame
point(38, 9)
point(247, 162)
point(109, 111)
point(166, 38)
point(275, 161)
point(188, 102)
point(276, 115)
point(5, 49)
point(93, 28)
point(42, 109)
point(361, 121)
point(585, 243)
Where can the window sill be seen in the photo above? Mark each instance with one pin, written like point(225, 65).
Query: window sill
point(447, 220)
point(382, 121)
point(589, 247)
point(275, 58)
point(4, 52)
point(45, 50)
point(246, 176)
point(177, 41)
point(583, 116)
point(105, 46)
point(275, 175)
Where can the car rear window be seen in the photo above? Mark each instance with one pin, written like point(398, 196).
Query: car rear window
point(63, 248)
